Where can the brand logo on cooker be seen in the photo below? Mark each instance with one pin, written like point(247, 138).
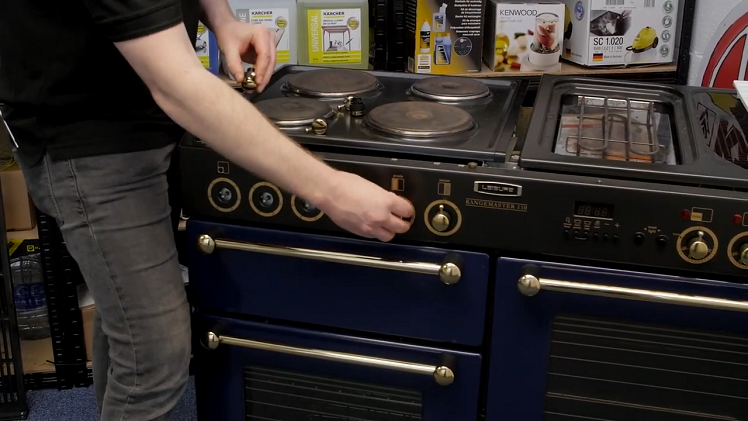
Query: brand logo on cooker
point(518, 12)
point(729, 58)
point(497, 189)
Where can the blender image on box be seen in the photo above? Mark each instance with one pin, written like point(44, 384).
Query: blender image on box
point(545, 50)
point(526, 36)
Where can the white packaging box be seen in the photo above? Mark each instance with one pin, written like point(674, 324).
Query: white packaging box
point(620, 32)
point(523, 36)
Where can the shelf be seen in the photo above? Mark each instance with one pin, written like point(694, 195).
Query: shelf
point(37, 356)
point(571, 69)
point(567, 69)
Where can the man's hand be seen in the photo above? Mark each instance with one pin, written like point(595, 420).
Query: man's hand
point(248, 43)
point(366, 209)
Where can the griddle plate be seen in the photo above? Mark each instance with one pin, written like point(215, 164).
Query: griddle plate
point(419, 119)
point(285, 112)
point(450, 89)
point(326, 83)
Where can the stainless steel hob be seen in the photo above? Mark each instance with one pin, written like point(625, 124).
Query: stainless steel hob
point(447, 117)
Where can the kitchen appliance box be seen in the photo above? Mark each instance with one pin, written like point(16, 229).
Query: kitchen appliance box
point(523, 36)
point(616, 32)
point(206, 49)
point(444, 37)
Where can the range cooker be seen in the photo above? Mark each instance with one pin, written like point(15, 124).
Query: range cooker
point(591, 268)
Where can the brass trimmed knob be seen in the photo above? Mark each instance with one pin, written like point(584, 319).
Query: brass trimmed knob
point(248, 82)
point(743, 257)
point(698, 249)
point(318, 126)
point(441, 220)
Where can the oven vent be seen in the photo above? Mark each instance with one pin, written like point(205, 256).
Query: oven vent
point(608, 371)
point(273, 395)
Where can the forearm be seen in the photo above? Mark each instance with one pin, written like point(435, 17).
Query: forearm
point(215, 14)
point(212, 111)
point(208, 108)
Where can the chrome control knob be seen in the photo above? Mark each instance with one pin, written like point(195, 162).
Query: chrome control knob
point(346, 105)
point(697, 248)
point(248, 82)
point(441, 220)
point(318, 127)
point(743, 256)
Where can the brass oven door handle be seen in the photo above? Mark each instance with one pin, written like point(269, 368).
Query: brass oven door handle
point(530, 285)
point(443, 375)
point(449, 271)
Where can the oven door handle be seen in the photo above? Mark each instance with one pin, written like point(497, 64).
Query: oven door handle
point(443, 375)
point(530, 285)
point(449, 271)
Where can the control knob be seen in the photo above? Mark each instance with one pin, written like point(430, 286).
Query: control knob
point(354, 105)
point(441, 220)
point(698, 249)
point(743, 257)
point(318, 127)
point(248, 82)
point(697, 245)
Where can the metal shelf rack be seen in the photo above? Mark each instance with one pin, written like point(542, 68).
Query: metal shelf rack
point(13, 404)
point(61, 279)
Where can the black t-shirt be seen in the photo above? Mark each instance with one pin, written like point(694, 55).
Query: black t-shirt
point(65, 87)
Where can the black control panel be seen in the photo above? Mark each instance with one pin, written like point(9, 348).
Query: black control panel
point(624, 222)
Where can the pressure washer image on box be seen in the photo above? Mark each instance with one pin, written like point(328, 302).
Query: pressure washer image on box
point(610, 23)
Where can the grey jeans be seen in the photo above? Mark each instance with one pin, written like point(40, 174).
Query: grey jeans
point(114, 215)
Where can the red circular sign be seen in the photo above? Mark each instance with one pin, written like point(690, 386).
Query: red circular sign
point(729, 58)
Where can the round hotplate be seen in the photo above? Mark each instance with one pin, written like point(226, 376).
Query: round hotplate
point(332, 83)
point(285, 112)
point(449, 89)
point(419, 119)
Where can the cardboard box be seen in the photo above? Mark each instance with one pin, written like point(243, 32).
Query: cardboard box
point(444, 36)
point(620, 32)
point(17, 205)
point(206, 48)
point(523, 36)
point(87, 316)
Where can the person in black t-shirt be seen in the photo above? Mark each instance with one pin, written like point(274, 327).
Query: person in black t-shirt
point(94, 93)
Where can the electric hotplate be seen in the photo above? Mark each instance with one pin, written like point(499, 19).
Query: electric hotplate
point(394, 114)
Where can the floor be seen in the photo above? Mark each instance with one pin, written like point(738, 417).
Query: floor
point(79, 404)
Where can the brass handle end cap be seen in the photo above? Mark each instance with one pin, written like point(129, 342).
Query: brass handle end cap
point(528, 285)
point(212, 340)
point(206, 244)
point(450, 273)
point(444, 376)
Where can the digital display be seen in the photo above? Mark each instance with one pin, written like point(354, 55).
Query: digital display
point(593, 210)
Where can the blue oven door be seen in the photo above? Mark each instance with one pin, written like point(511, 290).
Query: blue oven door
point(425, 293)
point(256, 371)
point(582, 343)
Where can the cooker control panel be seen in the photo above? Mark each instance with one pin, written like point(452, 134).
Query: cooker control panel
point(503, 210)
